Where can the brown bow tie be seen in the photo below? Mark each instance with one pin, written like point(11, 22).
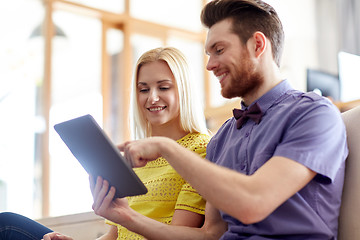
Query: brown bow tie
point(241, 116)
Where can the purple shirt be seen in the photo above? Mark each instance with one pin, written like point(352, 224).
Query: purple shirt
point(301, 126)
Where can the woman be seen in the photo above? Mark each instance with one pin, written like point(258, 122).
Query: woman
point(162, 105)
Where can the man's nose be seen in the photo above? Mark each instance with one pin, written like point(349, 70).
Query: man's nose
point(212, 64)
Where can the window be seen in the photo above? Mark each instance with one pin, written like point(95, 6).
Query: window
point(116, 6)
point(20, 78)
point(85, 67)
point(76, 90)
point(168, 12)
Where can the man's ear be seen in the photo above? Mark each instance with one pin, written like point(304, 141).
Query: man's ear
point(260, 42)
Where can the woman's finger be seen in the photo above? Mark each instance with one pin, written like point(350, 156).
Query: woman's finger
point(101, 194)
point(109, 197)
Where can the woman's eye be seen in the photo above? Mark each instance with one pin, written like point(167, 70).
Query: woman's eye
point(164, 88)
point(144, 90)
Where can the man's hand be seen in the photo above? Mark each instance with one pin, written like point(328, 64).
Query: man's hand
point(139, 152)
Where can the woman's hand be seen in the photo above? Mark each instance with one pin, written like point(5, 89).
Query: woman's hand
point(56, 236)
point(105, 205)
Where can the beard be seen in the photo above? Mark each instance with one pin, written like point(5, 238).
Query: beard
point(245, 80)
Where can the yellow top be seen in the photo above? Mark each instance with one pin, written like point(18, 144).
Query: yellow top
point(167, 190)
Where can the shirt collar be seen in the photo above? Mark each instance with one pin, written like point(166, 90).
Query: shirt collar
point(269, 98)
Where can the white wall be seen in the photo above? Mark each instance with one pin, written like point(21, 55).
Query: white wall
point(310, 37)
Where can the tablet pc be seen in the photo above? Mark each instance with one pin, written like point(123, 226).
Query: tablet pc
point(99, 157)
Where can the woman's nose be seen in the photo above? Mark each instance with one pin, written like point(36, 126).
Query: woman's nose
point(154, 97)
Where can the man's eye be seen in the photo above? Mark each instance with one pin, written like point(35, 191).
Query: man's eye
point(219, 50)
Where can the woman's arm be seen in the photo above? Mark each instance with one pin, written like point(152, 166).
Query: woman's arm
point(187, 218)
point(118, 211)
point(112, 234)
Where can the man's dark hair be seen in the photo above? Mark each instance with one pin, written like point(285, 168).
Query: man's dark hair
point(247, 16)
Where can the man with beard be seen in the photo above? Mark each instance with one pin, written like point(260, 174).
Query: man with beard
point(276, 168)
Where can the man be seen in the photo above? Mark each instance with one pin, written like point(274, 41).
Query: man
point(276, 170)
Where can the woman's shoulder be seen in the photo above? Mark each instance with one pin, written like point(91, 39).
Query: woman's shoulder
point(194, 138)
point(194, 141)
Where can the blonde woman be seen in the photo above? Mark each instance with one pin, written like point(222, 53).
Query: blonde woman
point(162, 105)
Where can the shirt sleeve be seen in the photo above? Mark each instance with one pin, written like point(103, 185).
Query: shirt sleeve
point(315, 127)
point(189, 199)
point(111, 223)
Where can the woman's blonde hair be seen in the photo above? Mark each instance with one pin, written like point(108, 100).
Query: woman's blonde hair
point(191, 112)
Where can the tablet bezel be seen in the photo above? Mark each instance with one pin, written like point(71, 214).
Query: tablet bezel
point(98, 155)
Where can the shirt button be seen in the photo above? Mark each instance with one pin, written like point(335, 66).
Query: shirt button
point(247, 134)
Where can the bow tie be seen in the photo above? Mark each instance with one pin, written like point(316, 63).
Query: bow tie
point(241, 116)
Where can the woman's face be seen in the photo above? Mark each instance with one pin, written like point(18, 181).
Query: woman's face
point(157, 95)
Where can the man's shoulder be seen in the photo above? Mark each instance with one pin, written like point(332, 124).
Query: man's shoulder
point(312, 96)
point(313, 101)
point(297, 95)
point(299, 107)
point(308, 100)
point(226, 126)
point(223, 132)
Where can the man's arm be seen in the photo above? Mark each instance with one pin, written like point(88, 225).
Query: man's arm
point(250, 199)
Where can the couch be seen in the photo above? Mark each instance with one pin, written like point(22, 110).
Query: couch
point(81, 226)
point(349, 220)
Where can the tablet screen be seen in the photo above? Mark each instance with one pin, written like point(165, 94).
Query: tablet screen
point(98, 155)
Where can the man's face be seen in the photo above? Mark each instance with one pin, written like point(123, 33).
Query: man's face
point(230, 62)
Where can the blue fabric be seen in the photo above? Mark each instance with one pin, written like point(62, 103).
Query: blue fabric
point(17, 227)
point(300, 126)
